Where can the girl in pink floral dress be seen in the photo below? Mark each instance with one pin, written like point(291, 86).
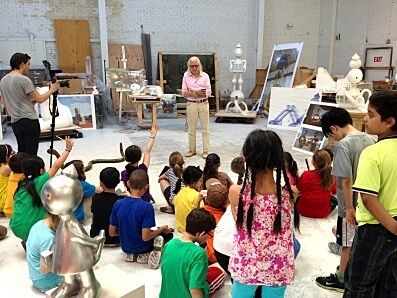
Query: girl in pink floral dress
point(263, 252)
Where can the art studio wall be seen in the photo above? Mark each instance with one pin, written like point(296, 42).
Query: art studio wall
point(357, 23)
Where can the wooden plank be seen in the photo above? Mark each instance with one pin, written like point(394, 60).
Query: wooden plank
point(133, 54)
point(228, 114)
point(217, 95)
point(73, 43)
point(160, 65)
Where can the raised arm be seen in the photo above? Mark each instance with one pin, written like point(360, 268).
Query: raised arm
point(61, 160)
point(149, 146)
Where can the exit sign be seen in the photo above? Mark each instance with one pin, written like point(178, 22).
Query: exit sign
point(378, 59)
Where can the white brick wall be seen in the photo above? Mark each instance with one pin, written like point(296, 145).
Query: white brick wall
point(359, 23)
point(304, 16)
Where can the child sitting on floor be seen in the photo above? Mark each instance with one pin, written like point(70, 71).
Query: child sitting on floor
point(133, 155)
point(211, 170)
point(215, 201)
point(41, 238)
point(15, 164)
point(316, 188)
point(185, 200)
point(102, 204)
point(170, 180)
point(132, 219)
point(28, 208)
point(5, 153)
point(291, 167)
point(184, 265)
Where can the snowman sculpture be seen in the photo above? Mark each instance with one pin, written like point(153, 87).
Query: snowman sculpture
point(354, 98)
point(237, 67)
point(74, 252)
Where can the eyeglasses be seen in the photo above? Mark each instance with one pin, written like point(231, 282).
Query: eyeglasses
point(194, 66)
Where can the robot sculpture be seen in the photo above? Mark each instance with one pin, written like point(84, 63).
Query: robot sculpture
point(237, 67)
point(352, 97)
point(74, 252)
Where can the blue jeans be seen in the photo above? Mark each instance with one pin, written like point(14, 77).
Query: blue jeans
point(248, 291)
point(297, 247)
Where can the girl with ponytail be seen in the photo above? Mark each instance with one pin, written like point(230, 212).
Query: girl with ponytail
point(263, 242)
point(316, 188)
point(28, 208)
point(171, 180)
point(211, 170)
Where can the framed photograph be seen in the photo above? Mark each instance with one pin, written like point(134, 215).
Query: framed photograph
point(82, 107)
point(308, 140)
point(315, 112)
point(282, 68)
point(288, 106)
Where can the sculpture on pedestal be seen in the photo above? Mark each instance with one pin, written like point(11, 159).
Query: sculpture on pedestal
point(237, 67)
point(74, 252)
point(352, 97)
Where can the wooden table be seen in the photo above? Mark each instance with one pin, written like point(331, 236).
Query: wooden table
point(140, 100)
point(121, 92)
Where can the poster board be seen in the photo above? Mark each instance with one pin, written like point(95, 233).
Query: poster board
point(288, 106)
point(281, 71)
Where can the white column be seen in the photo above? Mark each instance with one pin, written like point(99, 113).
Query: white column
point(260, 30)
point(103, 31)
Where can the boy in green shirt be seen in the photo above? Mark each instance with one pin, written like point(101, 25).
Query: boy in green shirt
point(184, 264)
point(372, 268)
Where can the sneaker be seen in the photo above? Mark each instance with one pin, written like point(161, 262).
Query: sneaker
point(190, 153)
point(167, 209)
point(139, 258)
point(155, 254)
point(330, 283)
point(205, 154)
point(335, 248)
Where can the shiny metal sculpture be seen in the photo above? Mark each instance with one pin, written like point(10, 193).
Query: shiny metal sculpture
point(74, 252)
point(133, 80)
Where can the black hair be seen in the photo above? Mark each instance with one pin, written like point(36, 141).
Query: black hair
point(385, 103)
point(330, 152)
point(17, 59)
point(200, 220)
point(138, 179)
point(132, 155)
point(5, 152)
point(15, 162)
point(291, 165)
point(31, 168)
point(263, 150)
point(212, 163)
point(335, 116)
point(191, 175)
point(110, 177)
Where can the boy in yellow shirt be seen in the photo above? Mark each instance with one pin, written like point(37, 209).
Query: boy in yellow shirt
point(372, 268)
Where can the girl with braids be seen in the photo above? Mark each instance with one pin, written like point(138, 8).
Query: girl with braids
point(5, 153)
point(238, 166)
point(28, 208)
point(263, 252)
point(211, 170)
point(316, 188)
point(171, 180)
point(292, 168)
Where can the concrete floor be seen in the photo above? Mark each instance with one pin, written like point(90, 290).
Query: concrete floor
point(226, 140)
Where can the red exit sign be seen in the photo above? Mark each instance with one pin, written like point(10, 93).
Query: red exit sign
point(378, 59)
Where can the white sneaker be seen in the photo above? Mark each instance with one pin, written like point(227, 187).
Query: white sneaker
point(155, 254)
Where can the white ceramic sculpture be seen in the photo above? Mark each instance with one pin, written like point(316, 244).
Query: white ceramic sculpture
point(352, 98)
point(237, 67)
point(64, 119)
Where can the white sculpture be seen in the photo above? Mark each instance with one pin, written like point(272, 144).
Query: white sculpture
point(64, 119)
point(237, 67)
point(352, 97)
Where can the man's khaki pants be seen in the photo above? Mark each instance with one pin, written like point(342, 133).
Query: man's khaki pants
point(201, 111)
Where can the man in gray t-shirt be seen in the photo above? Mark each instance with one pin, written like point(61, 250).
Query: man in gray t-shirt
point(20, 96)
point(338, 124)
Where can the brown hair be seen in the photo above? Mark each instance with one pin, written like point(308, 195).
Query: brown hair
point(238, 167)
point(138, 179)
point(217, 195)
point(54, 220)
point(79, 165)
point(322, 162)
point(176, 163)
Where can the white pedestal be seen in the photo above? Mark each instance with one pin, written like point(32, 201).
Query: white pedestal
point(115, 284)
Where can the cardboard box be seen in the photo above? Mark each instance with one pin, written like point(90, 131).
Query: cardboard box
point(75, 87)
point(302, 73)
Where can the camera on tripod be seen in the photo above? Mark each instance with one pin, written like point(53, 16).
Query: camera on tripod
point(52, 73)
point(64, 84)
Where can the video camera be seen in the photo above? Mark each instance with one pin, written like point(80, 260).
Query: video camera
point(62, 83)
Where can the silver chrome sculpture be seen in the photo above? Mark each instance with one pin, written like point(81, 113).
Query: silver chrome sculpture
point(237, 67)
point(74, 252)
